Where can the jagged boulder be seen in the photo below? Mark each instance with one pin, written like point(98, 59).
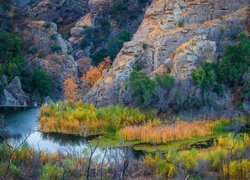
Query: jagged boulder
point(13, 94)
point(6, 99)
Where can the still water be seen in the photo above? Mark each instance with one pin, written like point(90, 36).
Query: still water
point(20, 123)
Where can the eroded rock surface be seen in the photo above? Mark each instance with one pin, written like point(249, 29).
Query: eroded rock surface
point(51, 53)
point(13, 94)
point(168, 25)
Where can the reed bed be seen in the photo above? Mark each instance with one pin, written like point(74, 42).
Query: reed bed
point(85, 119)
point(164, 133)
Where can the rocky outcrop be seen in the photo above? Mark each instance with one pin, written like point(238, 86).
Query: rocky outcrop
point(13, 94)
point(43, 37)
point(61, 12)
point(49, 51)
point(166, 28)
point(101, 13)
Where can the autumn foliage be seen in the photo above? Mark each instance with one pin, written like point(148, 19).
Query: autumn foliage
point(92, 75)
point(71, 89)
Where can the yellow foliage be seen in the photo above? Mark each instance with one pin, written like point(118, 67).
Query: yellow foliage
point(237, 169)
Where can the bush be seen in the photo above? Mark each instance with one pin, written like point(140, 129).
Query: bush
point(42, 82)
point(235, 62)
point(144, 87)
point(10, 45)
point(99, 56)
point(51, 172)
point(118, 8)
point(164, 80)
point(205, 76)
point(125, 35)
point(56, 48)
point(47, 25)
point(227, 73)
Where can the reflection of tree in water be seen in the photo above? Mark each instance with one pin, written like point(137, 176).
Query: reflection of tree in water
point(63, 139)
point(138, 154)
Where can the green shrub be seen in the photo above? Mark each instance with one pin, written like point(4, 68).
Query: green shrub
point(51, 172)
point(118, 8)
point(125, 35)
point(164, 80)
point(42, 82)
point(99, 56)
point(143, 87)
point(55, 48)
point(10, 45)
point(205, 76)
point(181, 24)
point(235, 62)
point(47, 25)
point(227, 73)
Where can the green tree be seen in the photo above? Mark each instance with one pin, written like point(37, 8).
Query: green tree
point(42, 83)
point(235, 62)
point(143, 87)
point(164, 80)
point(10, 45)
point(205, 76)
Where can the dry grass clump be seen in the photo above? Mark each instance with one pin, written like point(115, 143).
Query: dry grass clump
point(164, 133)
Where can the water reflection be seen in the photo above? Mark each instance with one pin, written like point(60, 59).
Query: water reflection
point(22, 122)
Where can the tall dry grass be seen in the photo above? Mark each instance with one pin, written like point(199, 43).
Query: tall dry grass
point(164, 133)
point(85, 119)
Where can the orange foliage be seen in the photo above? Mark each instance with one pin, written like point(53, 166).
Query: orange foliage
point(92, 76)
point(95, 73)
point(71, 89)
point(162, 134)
point(105, 64)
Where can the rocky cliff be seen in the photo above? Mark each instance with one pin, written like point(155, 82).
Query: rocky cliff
point(49, 51)
point(176, 36)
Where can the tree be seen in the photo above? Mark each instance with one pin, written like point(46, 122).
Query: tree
point(10, 45)
point(205, 76)
point(42, 82)
point(71, 89)
point(143, 87)
point(92, 76)
point(235, 62)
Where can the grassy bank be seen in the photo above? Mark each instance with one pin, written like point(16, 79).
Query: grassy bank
point(228, 158)
point(85, 119)
point(123, 126)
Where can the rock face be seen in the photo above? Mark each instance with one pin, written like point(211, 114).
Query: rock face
point(49, 51)
point(106, 13)
point(175, 36)
point(62, 12)
point(13, 94)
